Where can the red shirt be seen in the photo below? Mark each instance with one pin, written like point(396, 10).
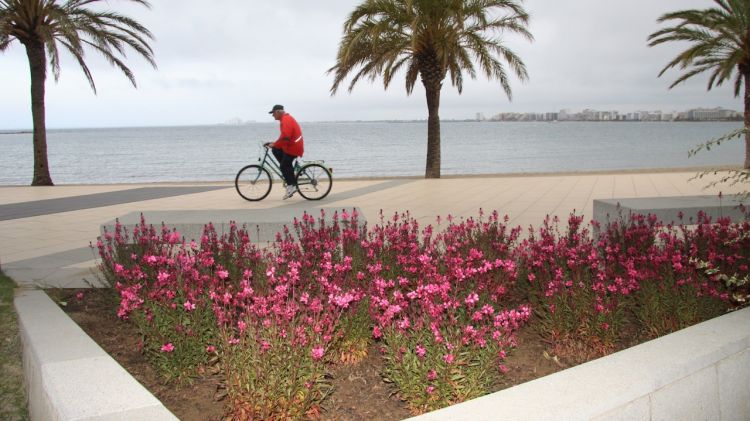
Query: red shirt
point(290, 140)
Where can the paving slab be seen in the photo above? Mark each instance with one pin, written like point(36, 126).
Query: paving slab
point(95, 200)
point(57, 270)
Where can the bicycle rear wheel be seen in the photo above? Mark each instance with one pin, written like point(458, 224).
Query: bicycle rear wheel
point(253, 183)
point(314, 181)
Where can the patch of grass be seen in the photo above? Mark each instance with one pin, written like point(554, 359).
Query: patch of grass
point(13, 404)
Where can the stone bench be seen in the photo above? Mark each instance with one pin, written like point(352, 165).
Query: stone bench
point(262, 224)
point(669, 209)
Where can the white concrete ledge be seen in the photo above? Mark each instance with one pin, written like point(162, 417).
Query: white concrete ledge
point(698, 373)
point(262, 224)
point(679, 209)
point(68, 376)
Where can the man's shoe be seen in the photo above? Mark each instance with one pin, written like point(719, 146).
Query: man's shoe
point(290, 190)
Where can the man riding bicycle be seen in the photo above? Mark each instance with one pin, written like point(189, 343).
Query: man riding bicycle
point(289, 146)
point(311, 179)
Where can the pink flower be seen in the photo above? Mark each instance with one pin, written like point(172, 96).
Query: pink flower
point(448, 358)
point(79, 296)
point(431, 375)
point(430, 389)
point(210, 349)
point(222, 274)
point(421, 351)
point(168, 347)
point(189, 306)
point(404, 323)
point(174, 237)
point(341, 300)
point(376, 333)
point(317, 352)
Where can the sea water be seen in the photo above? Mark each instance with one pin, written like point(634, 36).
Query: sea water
point(366, 149)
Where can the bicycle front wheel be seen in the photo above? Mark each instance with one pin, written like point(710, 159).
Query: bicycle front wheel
point(314, 181)
point(253, 183)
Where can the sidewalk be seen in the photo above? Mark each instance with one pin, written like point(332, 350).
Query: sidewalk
point(45, 232)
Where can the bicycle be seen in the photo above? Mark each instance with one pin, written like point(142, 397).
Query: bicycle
point(253, 182)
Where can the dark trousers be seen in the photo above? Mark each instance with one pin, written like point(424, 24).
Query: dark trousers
point(286, 162)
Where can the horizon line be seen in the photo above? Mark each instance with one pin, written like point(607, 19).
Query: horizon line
point(451, 120)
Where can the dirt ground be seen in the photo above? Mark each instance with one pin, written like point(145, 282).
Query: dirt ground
point(359, 394)
point(13, 406)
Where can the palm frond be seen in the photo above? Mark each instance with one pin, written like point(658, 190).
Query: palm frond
point(411, 77)
point(75, 26)
point(717, 39)
point(75, 51)
point(733, 135)
point(431, 39)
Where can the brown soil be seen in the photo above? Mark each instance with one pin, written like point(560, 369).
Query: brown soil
point(359, 391)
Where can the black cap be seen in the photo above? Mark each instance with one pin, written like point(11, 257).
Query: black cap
point(276, 107)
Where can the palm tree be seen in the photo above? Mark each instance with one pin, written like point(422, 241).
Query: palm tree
point(50, 24)
point(430, 39)
point(719, 42)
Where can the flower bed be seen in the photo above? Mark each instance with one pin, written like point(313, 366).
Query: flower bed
point(443, 304)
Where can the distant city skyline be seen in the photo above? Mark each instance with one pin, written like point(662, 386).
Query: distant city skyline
point(573, 115)
point(591, 114)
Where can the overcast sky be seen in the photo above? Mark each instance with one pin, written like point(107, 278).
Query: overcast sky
point(229, 59)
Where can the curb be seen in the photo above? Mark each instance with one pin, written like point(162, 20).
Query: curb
point(68, 376)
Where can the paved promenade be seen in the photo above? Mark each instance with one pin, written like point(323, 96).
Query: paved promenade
point(45, 231)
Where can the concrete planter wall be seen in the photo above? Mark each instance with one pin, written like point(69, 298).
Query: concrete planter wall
point(698, 373)
point(68, 376)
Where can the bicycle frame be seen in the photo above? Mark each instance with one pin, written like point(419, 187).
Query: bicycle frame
point(269, 162)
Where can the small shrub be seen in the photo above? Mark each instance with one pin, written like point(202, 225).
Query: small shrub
point(175, 336)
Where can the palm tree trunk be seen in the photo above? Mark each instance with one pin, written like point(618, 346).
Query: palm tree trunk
point(747, 120)
point(432, 169)
point(38, 68)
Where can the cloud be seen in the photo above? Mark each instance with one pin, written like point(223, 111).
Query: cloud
point(226, 58)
